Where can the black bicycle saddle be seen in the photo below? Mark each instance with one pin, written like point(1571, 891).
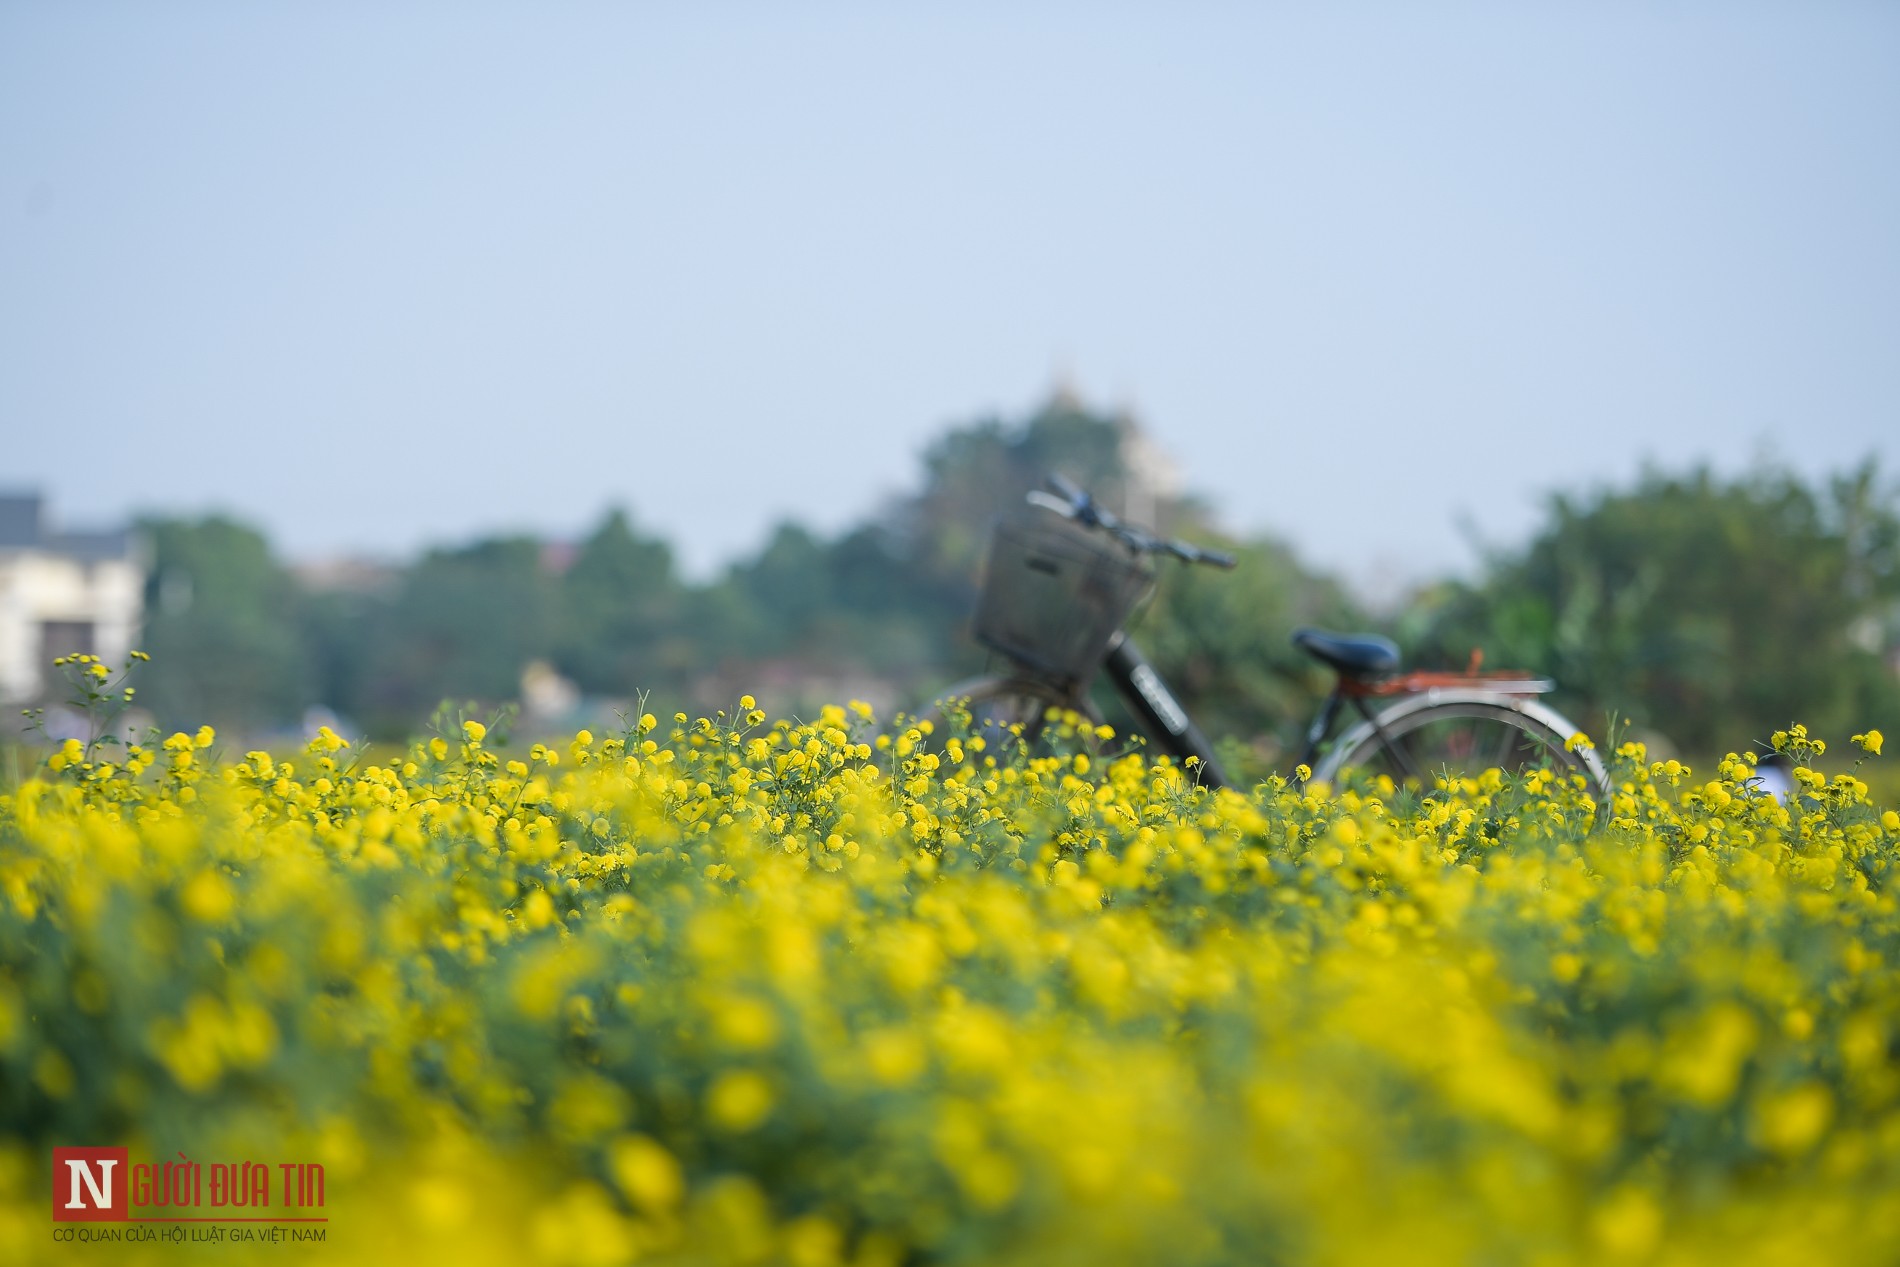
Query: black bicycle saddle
point(1354, 655)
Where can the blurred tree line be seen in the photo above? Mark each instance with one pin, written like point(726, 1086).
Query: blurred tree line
point(1711, 612)
point(1707, 611)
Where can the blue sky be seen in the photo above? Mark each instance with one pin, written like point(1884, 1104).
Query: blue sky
point(379, 276)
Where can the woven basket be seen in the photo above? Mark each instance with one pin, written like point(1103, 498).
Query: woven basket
point(1055, 592)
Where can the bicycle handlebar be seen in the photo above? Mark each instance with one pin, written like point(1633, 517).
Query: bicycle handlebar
point(1074, 501)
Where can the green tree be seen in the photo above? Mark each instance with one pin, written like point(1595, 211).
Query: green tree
point(463, 623)
point(976, 474)
point(620, 605)
point(893, 596)
point(222, 625)
point(1713, 611)
point(785, 589)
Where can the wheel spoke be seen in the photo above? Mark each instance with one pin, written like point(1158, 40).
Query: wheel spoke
point(1507, 744)
point(1397, 747)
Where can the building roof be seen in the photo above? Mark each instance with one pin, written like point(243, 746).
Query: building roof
point(23, 527)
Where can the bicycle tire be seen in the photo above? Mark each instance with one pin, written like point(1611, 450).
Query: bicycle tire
point(1464, 732)
point(998, 701)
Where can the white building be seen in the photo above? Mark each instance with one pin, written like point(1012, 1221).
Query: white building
point(61, 593)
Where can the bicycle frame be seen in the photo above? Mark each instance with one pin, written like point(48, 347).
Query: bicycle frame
point(1162, 715)
point(1166, 719)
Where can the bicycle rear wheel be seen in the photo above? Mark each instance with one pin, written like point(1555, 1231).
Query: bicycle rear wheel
point(1462, 734)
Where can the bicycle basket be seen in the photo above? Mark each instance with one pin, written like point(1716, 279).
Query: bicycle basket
point(1055, 592)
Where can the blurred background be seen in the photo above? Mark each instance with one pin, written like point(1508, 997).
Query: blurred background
point(352, 359)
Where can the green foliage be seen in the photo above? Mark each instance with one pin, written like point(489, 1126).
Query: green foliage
point(620, 601)
point(464, 622)
point(856, 601)
point(223, 616)
point(973, 475)
point(1712, 611)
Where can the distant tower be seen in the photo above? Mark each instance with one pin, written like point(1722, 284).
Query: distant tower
point(1064, 395)
point(1153, 480)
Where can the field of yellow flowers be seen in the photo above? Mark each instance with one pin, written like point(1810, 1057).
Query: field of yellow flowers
point(731, 990)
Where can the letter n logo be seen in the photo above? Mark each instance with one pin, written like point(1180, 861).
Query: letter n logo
point(89, 1185)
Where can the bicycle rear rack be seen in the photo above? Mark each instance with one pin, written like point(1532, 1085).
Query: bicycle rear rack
point(1420, 681)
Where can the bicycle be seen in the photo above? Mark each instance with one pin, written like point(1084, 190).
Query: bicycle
point(1062, 581)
